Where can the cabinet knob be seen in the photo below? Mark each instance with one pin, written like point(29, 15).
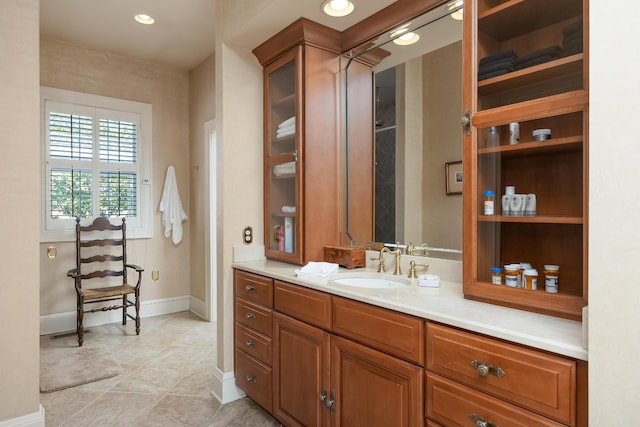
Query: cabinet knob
point(249, 288)
point(249, 343)
point(481, 422)
point(251, 379)
point(485, 369)
point(250, 316)
point(465, 121)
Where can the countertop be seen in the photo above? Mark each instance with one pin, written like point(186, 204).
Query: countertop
point(446, 305)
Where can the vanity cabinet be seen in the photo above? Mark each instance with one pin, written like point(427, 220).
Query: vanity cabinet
point(301, 141)
point(473, 377)
point(328, 370)
point(253, 295)
point(550, 91)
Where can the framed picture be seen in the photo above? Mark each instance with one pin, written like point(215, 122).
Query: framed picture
point(453, 172)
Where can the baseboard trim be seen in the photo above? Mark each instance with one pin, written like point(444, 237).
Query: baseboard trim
point(224, 387)
point(35, 419)
point(198, 307)
point(63, 322)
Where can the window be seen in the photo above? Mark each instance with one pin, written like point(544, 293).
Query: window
point(96, 162)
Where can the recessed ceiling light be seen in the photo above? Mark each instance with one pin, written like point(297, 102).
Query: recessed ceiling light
point(144, 19)
point(337, 8)
point(406, 39)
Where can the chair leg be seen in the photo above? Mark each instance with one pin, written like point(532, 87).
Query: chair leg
point(137, 305)
point(79, 319)
point(124, 309)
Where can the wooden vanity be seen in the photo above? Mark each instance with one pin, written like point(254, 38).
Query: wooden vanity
point(313, 358)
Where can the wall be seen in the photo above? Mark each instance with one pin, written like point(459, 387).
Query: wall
point(19, 189)
point(201, 109)
point(614, 222)
point(74, 67)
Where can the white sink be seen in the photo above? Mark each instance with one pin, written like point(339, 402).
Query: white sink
point(371, 282)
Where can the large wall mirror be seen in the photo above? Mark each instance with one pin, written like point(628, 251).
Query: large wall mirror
point(417, 137)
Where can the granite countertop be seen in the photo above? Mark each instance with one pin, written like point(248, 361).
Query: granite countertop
point(446, 305)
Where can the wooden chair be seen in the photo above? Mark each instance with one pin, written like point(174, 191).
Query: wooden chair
point(99, 257)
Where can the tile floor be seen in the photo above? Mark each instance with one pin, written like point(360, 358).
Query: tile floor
point(166, 380)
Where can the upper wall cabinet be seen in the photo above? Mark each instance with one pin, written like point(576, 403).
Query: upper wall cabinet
point(526, 88)
point(301, 142)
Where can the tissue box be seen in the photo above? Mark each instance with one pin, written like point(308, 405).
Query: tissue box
point(345, 256)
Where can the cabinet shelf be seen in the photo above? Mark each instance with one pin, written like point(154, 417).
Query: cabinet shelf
point(284, 139)
point(518, 17)
point(572, 143)
point(538, 219)
point(284, 101)
point(558, 68)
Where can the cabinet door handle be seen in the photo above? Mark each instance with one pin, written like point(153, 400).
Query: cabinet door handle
point(251, 379)
point(329, 403)
point(249, 288)
point(465, 121)
point(478, 421)
point(249, 343)
point(485, 369)
point(250, 316)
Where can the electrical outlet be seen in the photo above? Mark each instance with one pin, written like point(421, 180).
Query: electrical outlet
point(247, 235)
point(155, 275)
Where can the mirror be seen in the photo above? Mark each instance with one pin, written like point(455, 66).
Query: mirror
point(416, 131)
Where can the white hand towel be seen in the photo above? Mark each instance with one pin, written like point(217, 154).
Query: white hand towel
point(289, 122)
point(171, 207)
point(317, 270)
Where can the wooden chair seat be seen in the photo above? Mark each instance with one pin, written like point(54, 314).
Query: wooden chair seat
point(99, 236)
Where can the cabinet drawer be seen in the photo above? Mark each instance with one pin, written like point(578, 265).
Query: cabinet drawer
point(254, 288)
point(255, 379)
point(253, 343)
point(539, 381)
point(452, 404)
point(394, 333)
point(304, 304)
point(254, 316)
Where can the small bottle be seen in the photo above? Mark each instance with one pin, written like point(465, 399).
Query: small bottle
point(496, 276)
point(489, 202)
point(512, 275)
point(493, 139)
point(514, 133)
point(551, 273)
point(530, 279)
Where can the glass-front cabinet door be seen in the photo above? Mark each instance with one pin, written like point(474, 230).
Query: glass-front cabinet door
point(282, 196)
point(525, 154)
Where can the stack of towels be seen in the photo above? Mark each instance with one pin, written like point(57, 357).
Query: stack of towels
point(285, 169)
point(286, 128)
point(539, 56)
point(496, 64)
point(572, 38)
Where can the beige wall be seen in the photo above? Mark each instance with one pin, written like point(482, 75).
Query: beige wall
point(73, 67)
point(19, 198)
point(201, 109)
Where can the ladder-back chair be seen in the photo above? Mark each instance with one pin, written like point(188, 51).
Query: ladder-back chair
point(101, 255)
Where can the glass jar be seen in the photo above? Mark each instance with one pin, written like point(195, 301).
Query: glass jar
point(493, 138)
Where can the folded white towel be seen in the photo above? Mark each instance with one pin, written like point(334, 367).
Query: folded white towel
point(281, 133)
point(291, 121)
point(288, 209)
point(285, 169)
point(317, 270)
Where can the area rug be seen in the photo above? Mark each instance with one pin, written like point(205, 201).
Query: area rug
point(66, 367)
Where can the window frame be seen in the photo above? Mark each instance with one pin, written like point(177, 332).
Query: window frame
point(97, 106)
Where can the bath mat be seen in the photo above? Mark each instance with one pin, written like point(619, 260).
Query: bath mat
point(66, 367)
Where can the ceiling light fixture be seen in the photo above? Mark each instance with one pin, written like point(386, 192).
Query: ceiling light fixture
point(406, 39)
point(144, 19)
point(456, 8)
point(337, 8)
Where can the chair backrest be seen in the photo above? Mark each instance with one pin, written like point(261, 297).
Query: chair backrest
point(101, 243)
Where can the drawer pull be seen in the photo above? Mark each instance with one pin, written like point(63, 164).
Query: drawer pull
point(249, 343)
point(329, 403)
point(250, 316)
point(249, 288)
point(484, 369)
point(481, 422)
point(251, 379)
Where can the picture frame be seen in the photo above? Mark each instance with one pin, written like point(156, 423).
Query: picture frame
point(453, 177)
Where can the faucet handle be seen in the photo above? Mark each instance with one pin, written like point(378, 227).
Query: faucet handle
point(380, 259)
point(412, 269)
